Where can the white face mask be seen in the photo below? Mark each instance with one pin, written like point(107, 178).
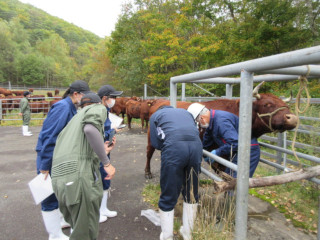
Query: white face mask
point(112, 102)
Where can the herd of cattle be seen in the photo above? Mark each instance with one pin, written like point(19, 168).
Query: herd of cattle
point(269, 112)
point(10, 100)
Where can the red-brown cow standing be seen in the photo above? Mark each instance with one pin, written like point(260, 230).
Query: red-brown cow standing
point(120, 106)
point(133, 109)
point(269, 114)
point(144, 111)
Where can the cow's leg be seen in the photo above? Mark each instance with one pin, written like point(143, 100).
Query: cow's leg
point(129, 121)
point(142, 123)
point(122, 116)
point(150, 151)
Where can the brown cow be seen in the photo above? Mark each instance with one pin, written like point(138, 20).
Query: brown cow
point(120, 106)
point(40, 106)
point(269, 114)
point(133, 109)
point(17, 93)
point(49, 94)
point(5, 92)
point(144, 111)
point(37, 98)
point(56, 92)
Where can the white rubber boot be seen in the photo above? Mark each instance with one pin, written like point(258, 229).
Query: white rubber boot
point(52, 223)
point(63, 222)
point(28, 130)
point(166, 219)
point(104, 209)
point(188, 217)
point(102, 218)
point(25, 131)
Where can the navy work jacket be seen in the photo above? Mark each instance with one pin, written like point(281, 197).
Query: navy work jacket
point(169, 124)
point(223, 131)
point(58, 117)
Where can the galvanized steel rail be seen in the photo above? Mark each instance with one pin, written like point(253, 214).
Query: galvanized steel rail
point(278, 64)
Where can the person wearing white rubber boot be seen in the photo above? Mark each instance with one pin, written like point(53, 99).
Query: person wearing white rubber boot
point(76, 179)
point(25, 113)
point(174, 132)
point(104, 211)
point(108, 97)
point(59, 115)
point(52, 223)
point(166, 220)
point(188, 217)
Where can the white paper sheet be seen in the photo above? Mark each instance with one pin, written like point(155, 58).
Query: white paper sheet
point(40, 188)
point(115, 120)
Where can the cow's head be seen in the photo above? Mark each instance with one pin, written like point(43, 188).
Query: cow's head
point(271, 114)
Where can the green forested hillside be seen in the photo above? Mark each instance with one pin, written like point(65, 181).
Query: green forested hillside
point(39, 49)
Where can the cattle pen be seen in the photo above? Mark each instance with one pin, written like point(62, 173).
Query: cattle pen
point(282, 67)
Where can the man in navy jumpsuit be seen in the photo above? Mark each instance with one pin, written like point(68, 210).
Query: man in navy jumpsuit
point(174, 132)
point(222, 129)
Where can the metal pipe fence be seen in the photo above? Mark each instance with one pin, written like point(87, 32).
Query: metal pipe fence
point(9, 107)
point(277, 63)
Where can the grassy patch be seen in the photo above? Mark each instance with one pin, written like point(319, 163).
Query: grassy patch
point(298, 201)
point(210, 211)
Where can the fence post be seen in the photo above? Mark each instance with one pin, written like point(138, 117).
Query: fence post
point(245, 120)
point(183, 92)
point(145, 91)
point(229, 90)
point(173, 94)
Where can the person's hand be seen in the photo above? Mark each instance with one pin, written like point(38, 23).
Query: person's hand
point(108, 148)
point(117, 130)
point(20, 114)
point(110, 170)
point(208, 159)
point(46, 173)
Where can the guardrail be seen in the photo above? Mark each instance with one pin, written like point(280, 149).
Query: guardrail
point(281, 67)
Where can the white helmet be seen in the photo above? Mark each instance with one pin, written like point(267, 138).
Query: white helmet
point(195, 109)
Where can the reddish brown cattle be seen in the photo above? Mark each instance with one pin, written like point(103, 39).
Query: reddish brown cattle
point(5, 92)
point(269, 114)
point(49, 94)
point(17, 93)
point(56, 92)
point(37, 98)
point(40, 106)
point(144, 111)
point(133, 109)
point(120, 106)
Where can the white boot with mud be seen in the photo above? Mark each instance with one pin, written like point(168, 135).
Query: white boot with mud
point(166, 219)
point(25, 131)
point(52, 223)
point(104, 209)
point(188, 216)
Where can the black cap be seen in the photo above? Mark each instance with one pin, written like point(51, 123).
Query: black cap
point(25, 93)
point(108, 90)
point(90, 97)
point(80, 86)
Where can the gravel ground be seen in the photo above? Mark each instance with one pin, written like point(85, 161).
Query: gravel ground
point(20, 218)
